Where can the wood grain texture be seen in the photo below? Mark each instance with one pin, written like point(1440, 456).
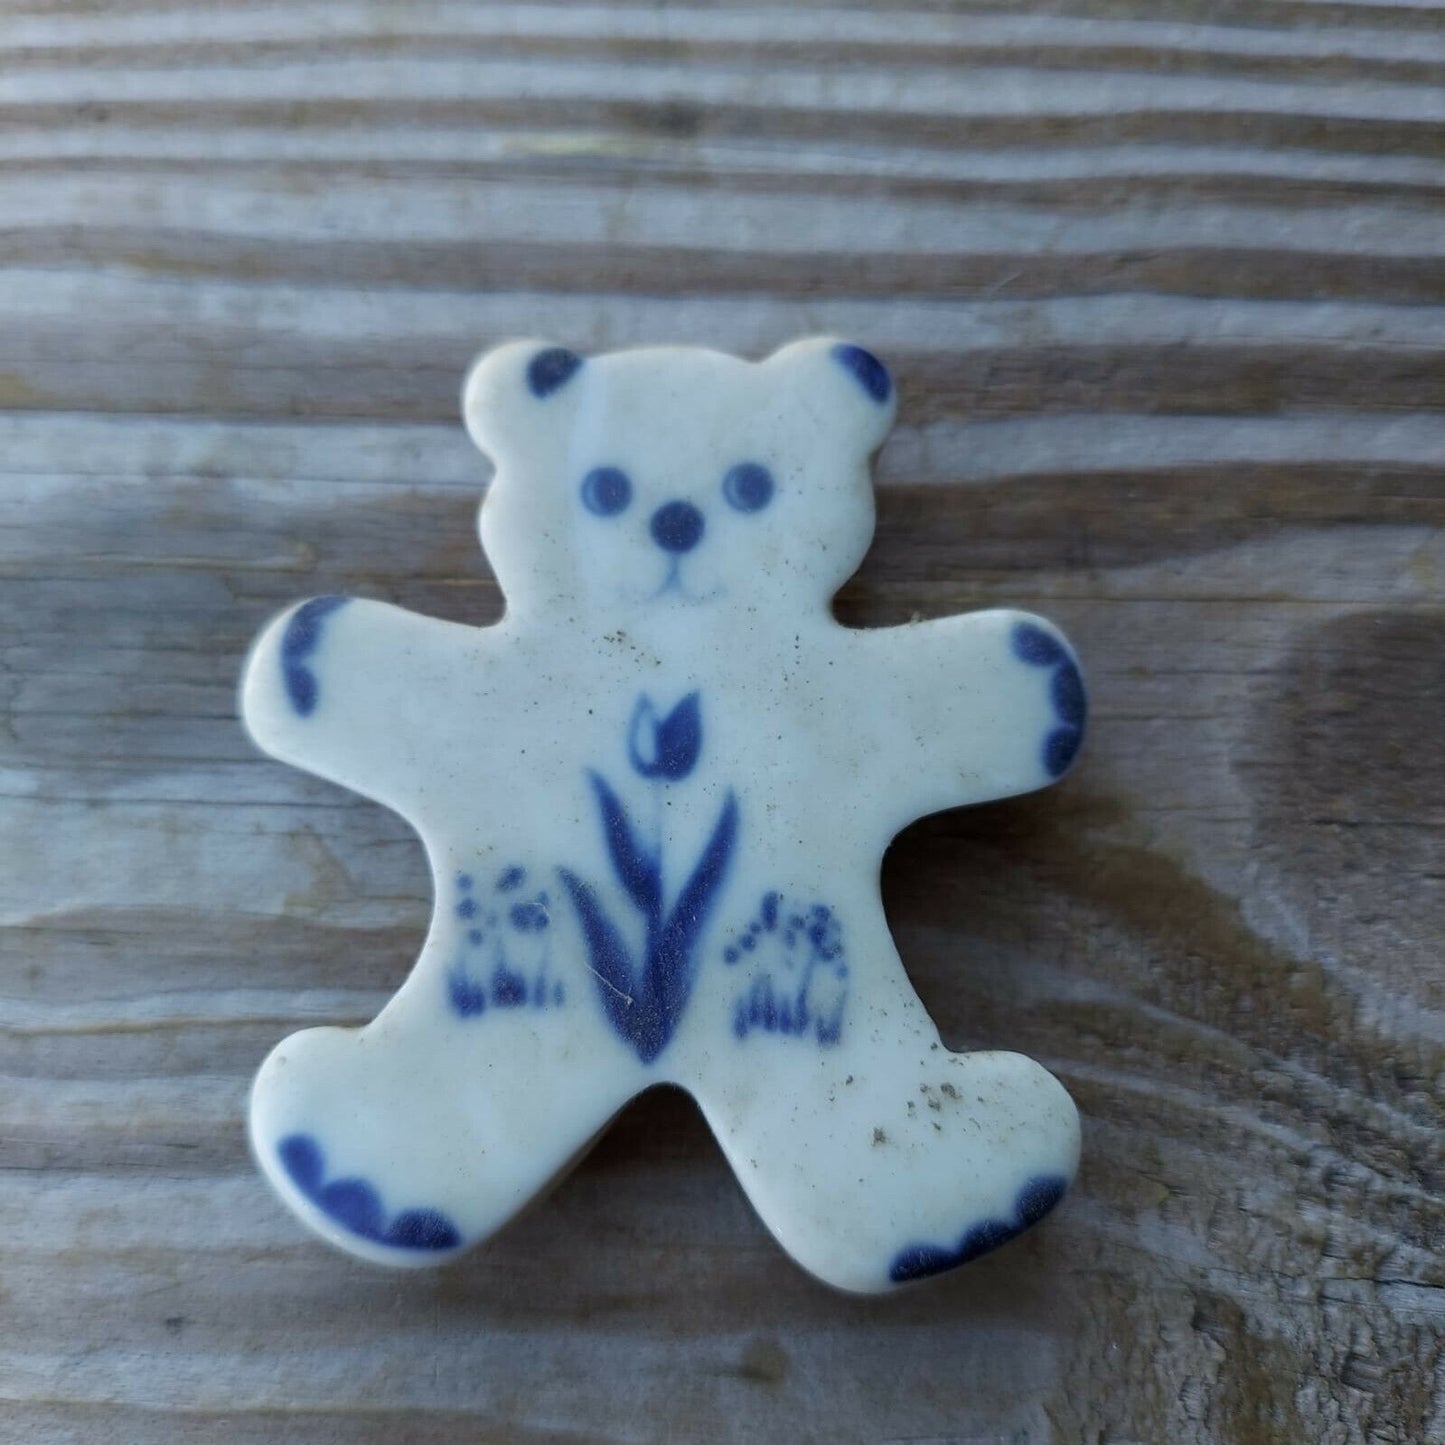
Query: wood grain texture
point(1163, 287)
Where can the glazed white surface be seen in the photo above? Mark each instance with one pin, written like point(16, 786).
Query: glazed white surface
point(752, 748)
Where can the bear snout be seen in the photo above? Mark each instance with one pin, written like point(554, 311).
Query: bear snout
point(677, 526)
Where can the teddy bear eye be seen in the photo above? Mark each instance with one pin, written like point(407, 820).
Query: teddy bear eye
point(606, 491)
point(748, 487)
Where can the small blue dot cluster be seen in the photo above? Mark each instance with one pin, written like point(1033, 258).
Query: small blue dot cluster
point(500, 923)
point(802, 985)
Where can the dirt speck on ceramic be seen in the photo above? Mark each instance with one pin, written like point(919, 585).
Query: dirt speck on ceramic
point(655, 798)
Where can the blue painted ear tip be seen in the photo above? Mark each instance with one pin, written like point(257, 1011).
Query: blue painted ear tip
point(550, 370)
point(866, 369)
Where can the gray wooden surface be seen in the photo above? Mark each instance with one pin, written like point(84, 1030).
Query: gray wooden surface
point(1163, 286)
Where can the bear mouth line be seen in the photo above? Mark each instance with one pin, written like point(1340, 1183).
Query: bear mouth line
point(672, 586)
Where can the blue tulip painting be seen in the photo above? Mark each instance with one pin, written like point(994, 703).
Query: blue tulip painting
point(645, 993)
point(665, 747)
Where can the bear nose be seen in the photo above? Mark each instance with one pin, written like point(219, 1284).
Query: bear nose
point(677, 526)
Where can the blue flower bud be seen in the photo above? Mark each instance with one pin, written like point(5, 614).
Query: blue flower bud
point(665, 747)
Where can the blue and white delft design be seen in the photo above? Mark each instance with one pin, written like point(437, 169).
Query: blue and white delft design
point(644, 991)
point(355, 1205)
point(505, 950)
point(796, 968)
point(655, 798)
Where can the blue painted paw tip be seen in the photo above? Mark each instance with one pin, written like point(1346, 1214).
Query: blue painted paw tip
point(354, 1203)
point(1061, 747)
point(356, 1206)
point(1037, 1197)
point(550, 370)
point(1037, 647)
point(1033, 645)
point(301, 1158)
point(867, 370)
point(302, 634)
point(1067, 690)
point(422, 1229)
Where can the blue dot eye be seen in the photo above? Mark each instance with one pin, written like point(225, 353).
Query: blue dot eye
point(606, 491)
point(748, 487)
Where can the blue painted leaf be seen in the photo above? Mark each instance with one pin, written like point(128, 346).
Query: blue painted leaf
point(670, 965)
point(611, 961)
point(690, 911)
point(635, 867)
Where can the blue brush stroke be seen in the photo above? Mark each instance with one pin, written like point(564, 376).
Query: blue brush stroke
point(645, 1003)
point(355, 1205)
point(802, 987)
point(644, 996)
point(610, 959)
point(1033, 1201)
point(670, 966)
point(303, 633)
point(550, 370)
point(665, 747)
point(1033, 645)
point(637, 870)
point(867, 370)
point(503, 958)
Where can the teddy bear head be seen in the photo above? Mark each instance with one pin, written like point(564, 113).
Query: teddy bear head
point(673, 478)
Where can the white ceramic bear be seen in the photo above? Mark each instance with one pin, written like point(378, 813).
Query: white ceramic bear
point(655, 798)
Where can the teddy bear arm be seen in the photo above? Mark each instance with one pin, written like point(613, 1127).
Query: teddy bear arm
point(982, 705)
point(343, 688)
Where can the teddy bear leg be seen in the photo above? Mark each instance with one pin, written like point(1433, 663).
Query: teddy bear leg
point(892, 1159)
point(404, 1144)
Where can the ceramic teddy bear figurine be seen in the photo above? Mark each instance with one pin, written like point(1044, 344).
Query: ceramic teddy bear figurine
point(655, 797)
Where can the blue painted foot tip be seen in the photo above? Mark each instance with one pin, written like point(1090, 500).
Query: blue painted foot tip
point(356, 1205)
point(1032, 1203)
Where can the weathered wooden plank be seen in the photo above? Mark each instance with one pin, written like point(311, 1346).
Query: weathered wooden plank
point(1164, 291)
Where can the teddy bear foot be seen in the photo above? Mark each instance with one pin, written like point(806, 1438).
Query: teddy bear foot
point(355, 1205)
point(407, 1155)
point(1032, 1203)
point(903, 1162)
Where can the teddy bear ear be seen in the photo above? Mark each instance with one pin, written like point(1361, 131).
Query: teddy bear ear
point(845, 386)
point(507, 385)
